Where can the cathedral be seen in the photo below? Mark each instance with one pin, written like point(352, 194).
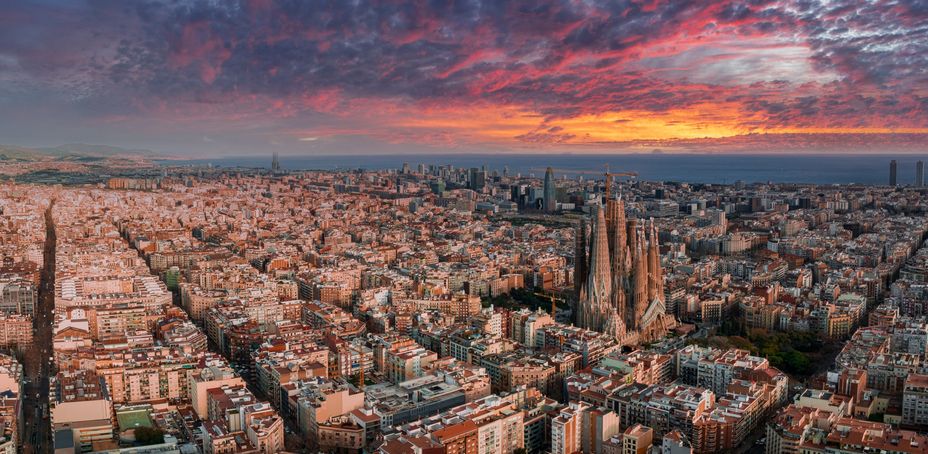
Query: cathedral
point(618, 277)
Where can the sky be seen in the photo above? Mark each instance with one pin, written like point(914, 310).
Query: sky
point(301, 77)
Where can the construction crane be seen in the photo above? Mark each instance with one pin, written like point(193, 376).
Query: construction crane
point(609, 175)
point(553, 300)
point(570, 171)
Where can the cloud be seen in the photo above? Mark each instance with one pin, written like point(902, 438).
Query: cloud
point(677, 68)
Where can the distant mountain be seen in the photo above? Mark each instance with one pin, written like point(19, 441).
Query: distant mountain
point(71, 151)
point(16, 153)
point(83, 149)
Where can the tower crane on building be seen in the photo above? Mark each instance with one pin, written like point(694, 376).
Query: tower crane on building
point(610, 175)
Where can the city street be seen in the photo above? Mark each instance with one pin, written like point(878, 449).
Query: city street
point(37, 433)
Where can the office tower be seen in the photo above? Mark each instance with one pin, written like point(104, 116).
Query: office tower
point(477, 179)
point(405, 168)
point(920, 173)
point(275, 163)
point(517, 193)
point(550, 202)
point(892, 172)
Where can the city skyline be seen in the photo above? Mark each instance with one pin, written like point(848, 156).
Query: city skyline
point(173, 308)
point(255, 77)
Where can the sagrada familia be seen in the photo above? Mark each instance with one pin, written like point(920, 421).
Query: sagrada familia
point(618, 277)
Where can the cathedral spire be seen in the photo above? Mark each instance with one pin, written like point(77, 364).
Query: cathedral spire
point(598, 290)
point(580, 257)
point(654, 265)
point(619, 257)
point(658, 270)
point(639, 302)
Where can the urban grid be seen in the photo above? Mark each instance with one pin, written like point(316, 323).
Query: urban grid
point(444, 310)
point(463, 226)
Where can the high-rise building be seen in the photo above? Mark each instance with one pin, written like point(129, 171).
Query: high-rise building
point(920, 173)
point(550, 197)
point(892, 172)
point(477, 179)
point(275, 163)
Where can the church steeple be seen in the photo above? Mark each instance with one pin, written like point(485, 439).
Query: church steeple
point(599, 281)
point(580, 259)
point(618, 255)
point(619, 275)
point(638, 303)
point(655, 277)
point(581, 268)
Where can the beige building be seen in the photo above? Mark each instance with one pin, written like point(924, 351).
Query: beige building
point(637, 439)
point(215, 375)
point(566, 431)
point(81, 404)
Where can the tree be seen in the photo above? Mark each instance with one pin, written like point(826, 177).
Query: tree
point(149, 436)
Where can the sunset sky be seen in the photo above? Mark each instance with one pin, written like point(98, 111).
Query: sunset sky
point(211, 78)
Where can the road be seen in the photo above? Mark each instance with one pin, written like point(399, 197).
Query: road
point(37, 431)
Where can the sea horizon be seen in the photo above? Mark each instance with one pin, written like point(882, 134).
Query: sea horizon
point(818, 168)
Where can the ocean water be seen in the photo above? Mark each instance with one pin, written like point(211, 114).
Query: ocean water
point(693, 168)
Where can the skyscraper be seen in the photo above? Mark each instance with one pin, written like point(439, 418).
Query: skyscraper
point(892, 172)
point(275, 163)
point(477, 179)
point(550, 194)
point(920, 173)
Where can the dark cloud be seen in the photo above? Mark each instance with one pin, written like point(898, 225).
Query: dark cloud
point(558, 58)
